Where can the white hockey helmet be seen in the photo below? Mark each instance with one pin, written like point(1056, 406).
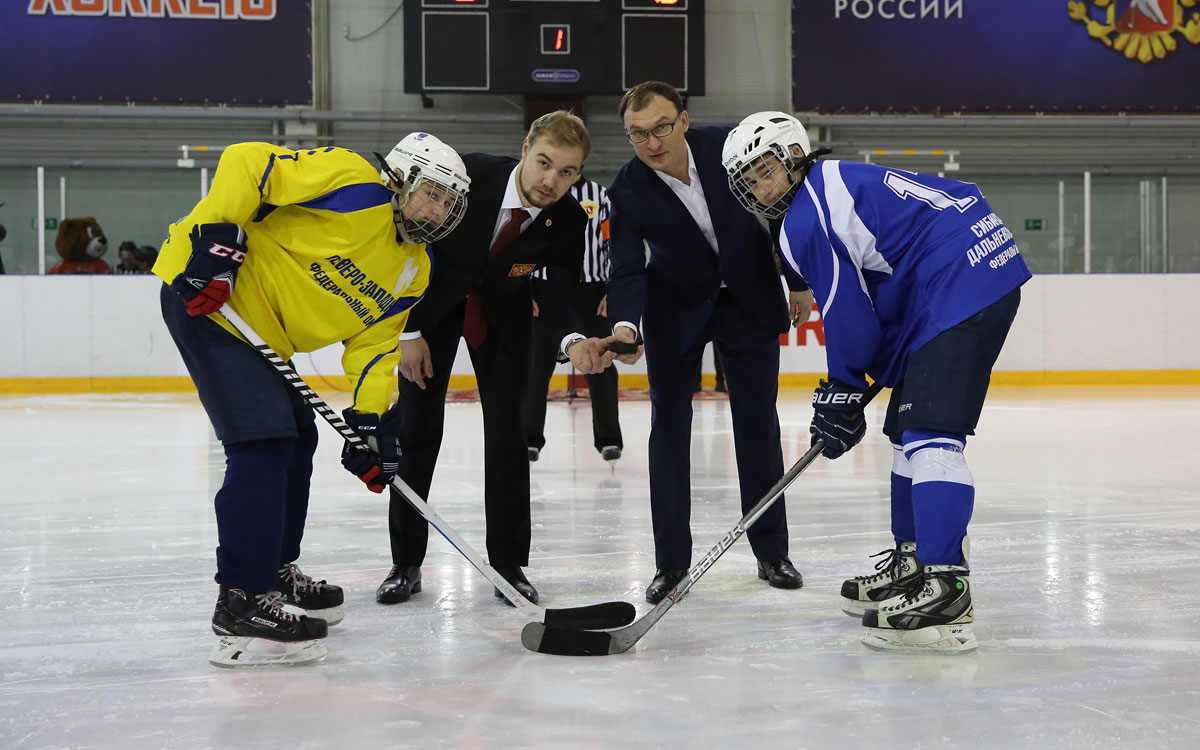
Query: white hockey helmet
point(425, 169)
point(744, 156)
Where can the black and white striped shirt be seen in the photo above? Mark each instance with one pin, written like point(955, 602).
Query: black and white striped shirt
point(594, 199)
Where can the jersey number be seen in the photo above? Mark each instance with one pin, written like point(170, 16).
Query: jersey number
point(906, 188)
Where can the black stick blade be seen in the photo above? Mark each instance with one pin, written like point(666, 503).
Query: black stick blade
point(564, 641)
point(592, 617)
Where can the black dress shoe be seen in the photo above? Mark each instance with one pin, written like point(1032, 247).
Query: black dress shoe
point(664, 583)
point(533, 453)
point(780, 573)
point(610, 453)
point(516, 577)
point(401, 583)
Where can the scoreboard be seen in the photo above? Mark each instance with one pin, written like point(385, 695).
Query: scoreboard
point(552, 47)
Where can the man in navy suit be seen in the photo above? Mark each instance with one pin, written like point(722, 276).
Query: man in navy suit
point(710, 276)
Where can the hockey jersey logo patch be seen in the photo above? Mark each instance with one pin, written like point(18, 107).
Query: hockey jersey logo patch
point(521, 269)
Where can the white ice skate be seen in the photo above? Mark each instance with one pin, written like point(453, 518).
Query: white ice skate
point(896, 575)
point(935, 615)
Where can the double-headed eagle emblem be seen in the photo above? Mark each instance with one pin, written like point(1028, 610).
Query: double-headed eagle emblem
point(1143, 30)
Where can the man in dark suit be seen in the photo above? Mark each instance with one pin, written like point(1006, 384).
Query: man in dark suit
point(710, 276)
point(514, 224)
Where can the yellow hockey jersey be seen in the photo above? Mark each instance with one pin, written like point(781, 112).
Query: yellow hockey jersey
point(323, 263)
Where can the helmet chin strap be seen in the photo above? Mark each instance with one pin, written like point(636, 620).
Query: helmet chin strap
point(398, 216)
point(811, 159)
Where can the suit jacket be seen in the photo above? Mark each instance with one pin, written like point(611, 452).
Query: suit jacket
point(460, 262)
point(675, 288)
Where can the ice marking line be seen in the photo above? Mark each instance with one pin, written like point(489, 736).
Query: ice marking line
point(1191, 648)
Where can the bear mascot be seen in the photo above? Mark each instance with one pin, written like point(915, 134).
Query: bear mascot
point(80, 242)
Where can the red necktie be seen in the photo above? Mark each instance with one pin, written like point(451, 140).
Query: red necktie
point(475, 322)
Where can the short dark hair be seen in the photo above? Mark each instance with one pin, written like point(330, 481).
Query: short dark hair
point(639, 96)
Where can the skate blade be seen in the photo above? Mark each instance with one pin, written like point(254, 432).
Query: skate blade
point(943, 639)
point(857, 609)
point(239, 652)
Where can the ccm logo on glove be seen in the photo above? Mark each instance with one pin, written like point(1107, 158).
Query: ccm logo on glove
point(207, 281)
point(232, 253)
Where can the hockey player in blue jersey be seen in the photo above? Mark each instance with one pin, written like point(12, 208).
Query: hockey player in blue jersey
point(918, 282)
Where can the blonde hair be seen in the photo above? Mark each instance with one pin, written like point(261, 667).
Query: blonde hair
point(561, 128)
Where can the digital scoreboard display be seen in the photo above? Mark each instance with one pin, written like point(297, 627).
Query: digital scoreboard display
point(552, 47)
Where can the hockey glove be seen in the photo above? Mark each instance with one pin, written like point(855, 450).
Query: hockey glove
point(207, 281)
point(838, 418)
point(379, 460)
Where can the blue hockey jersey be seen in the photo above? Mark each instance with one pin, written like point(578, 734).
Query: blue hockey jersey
point(894, 258)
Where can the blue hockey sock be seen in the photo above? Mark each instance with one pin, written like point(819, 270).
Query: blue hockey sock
point(903, 528)
point(943, 494)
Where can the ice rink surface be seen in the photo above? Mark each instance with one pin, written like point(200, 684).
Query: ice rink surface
point(1085, 569)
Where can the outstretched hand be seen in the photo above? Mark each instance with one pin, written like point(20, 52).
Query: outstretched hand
point(590, 356)
point(416, 364)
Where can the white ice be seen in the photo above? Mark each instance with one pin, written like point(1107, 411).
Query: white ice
point(1085, 571)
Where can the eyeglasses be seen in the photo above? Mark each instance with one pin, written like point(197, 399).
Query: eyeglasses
point(658, 131)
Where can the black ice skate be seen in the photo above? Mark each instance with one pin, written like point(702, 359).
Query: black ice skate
point(255, 630)
point(896, 574)
point(934, 615)
point(317, 598)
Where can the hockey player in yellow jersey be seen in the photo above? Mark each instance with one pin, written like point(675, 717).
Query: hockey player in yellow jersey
point(310, 248)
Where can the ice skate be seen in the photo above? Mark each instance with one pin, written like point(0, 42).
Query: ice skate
point(317, 598)
point(896, 574)
point(935, 615)
point(255, 630)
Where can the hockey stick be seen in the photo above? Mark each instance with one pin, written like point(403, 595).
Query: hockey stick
point(551, 639)
point(604, 615)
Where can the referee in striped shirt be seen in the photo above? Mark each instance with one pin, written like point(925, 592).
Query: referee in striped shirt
point(592, 309)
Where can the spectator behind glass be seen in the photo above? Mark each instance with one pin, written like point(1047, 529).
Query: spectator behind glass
point(144, 257)
point(134, 259)
point(127, 254)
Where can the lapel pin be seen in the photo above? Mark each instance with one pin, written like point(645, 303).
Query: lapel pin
point(547, 222)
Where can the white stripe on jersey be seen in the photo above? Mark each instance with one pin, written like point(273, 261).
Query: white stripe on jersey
point(846, 224)
point(836, 266)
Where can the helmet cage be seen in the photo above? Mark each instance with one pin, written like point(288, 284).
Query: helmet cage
point(753, 169)
point(421, 191)
point(425, 182)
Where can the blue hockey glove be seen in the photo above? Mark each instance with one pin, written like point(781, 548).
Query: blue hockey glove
point(207, 281)
point(379, 460)
point(838, 418)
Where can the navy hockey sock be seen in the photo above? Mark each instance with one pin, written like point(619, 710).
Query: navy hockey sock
point(250, 510)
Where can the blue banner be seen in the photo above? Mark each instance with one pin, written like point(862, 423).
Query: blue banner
point(250, 52)
point(996, 55)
